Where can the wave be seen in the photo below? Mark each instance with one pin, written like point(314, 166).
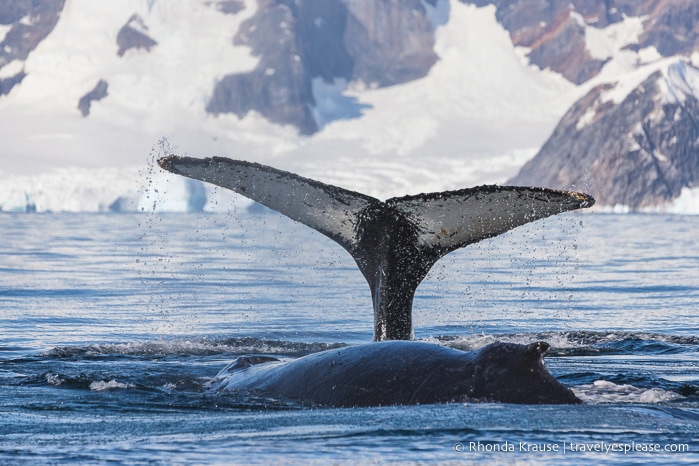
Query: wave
point(594, 364)
point(196, 346)
point(585, 343)
point(84, 382)
point(604, 391)
point(573, 343)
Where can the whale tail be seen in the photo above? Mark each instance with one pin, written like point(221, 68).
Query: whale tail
point(394, 242)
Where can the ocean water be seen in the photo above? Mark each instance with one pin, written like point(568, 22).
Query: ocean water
point(113, 327)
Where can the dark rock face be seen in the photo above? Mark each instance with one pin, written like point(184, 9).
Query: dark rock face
point(280, 87)
point(32, 21)
point(99, 92)
point(390, 42)
point(673, 27)
point(230, 7)
point(6, 84)
point(379, 43)
point(133, 35)
point(563, 49)
point(638, 153)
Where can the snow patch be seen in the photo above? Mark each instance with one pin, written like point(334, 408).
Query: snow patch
point(608, 42)
point(681, 80)
point(4, 29)
point(687, 203)
point(627, 82)
point(11, 69)
point(82, 49)
point(660, 156)
point(26, 20)
point(625, 68)
point(648, 55)
point(332, 104)
point(588, 117)
point(136, 23)
point(577, 18)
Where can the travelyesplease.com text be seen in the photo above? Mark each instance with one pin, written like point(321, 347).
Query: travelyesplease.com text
point(570, 447)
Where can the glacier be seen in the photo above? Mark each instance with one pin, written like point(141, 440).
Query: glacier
point(147, 189)
point(113, 190)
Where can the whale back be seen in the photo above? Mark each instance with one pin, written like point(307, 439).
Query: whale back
point(404, 373)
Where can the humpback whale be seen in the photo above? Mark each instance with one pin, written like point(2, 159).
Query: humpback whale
point(394, 242)
point(401, 373)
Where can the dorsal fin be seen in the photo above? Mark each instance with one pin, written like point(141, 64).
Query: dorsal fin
point(395, 243)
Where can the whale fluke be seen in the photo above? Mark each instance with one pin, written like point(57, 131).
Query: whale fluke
point(394, 242)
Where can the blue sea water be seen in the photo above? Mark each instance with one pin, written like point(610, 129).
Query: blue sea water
point(113, 327)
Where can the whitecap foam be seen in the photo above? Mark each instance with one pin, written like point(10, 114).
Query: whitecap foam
point(101, 385)
point(604, 391)
point(567, 340)
point(54, 379)
point(558, 340)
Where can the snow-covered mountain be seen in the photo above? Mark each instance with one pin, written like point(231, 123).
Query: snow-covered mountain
point(632, 140)
point(382, 97)
point(634, 146)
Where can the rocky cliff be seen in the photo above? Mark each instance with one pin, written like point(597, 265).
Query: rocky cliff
point(134, 35)
point(639, 150)
point(377, 43)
